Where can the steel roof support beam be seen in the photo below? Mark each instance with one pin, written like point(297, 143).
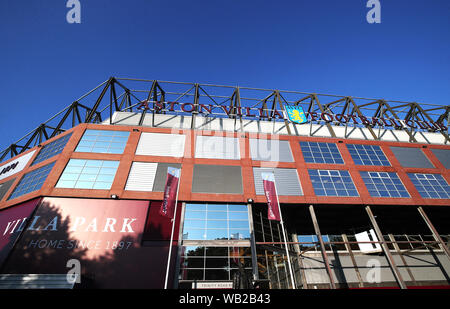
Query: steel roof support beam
point(391, 110)
point(63, 119)
point(196, 104)
point(385, 247)
point(236, 102)
point(358, 111)
point(322, 246)
point(425, 114)
point(91, 114)
point(330, 128)
point(435, 233)
point(282, 108)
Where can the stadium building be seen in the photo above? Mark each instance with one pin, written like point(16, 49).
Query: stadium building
point(363, 186)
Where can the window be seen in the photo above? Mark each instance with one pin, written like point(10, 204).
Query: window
point(217, 179)
point(4, 187)
point(103, 141)
point(381, 184)
point(321, 153)
point(148, 176)
point(213, 263)
point(270, 150)
point(216, 222)
point(88, 174)
point(430, 185)
point(52, 149)
point(367, 155)
point(161, 144)
point(32, 181)
point(411, 157)
point(443, 155)
point(286, 180)
point(332, 183)
point(217, 147)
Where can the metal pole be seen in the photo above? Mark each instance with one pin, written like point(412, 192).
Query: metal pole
point(385, 247)
point(352, 257)
point(300, 262)
point(400, 254)
point(171, 234)
point(284, 236)
point(253, 244)
point(322, 246)
point(434, 231)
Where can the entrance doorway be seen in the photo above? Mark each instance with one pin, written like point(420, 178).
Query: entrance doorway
point(216, 250)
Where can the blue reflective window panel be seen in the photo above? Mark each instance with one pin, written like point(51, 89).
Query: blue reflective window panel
point(215, 222)
point(332, 183)
point(88, 174)
point(383, 184)
point(52, 149)
point(32, 181)
point(315, 152)
point(430, 185)
point(103, 141)
point(367, 155)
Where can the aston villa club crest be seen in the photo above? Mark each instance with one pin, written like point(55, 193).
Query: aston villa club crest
point(296, 114)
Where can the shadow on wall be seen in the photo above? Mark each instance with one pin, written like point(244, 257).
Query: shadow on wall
point(125, 264)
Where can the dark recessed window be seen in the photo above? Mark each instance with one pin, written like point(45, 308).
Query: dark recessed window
point(443, 156)
point(411, 157)
point(217, 179)
point(4, 187)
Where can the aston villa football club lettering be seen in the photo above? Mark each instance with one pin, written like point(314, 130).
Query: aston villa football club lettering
point(294, 114)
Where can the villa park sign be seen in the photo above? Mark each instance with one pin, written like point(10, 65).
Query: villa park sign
point(261, 114)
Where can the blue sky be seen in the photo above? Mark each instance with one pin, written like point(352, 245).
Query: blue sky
point(323, 46)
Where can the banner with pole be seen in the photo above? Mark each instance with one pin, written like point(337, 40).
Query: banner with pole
point(169, 207)
point(170, 192)
point(274, 211)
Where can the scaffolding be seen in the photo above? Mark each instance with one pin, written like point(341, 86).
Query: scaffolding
point(166, 97)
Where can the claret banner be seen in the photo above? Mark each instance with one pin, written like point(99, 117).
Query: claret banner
point(12, 223)
point(273, 206)
point(170, 192)
point(97, 226)
point(103, 235)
